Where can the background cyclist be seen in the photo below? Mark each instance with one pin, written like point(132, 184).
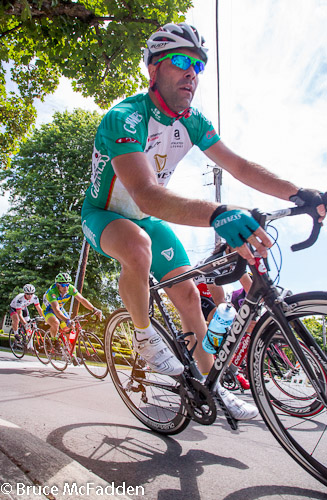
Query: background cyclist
point(137, 147)
point(56, 297)
point(19, 306)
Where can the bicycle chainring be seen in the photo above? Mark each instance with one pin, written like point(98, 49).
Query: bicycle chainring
point(199, 402)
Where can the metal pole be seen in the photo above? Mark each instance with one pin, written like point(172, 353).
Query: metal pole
point(217, 180)
point(80, 275)
point(324, 331)
point(218, 76)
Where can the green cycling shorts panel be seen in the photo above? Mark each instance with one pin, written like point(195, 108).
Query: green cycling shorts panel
point(168, 252)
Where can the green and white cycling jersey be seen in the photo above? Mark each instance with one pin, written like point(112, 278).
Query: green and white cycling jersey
point(137, 125)
point(53, 294)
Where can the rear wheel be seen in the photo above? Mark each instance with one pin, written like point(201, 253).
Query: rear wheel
point(153, 398)
point(91, 350)
point(38, 345)
point(56, 352)
point(17, 342)
point(302, 435)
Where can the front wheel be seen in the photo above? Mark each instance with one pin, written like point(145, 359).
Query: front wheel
point(38, 345)
point(17, 342)
point(153, 398)
point(91, 350)
point(56, 352)
point(281, 388)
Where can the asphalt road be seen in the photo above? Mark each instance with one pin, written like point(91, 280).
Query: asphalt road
point(84, 418)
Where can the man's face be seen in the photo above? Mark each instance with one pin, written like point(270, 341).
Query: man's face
point(176, 86)
point(62, 287)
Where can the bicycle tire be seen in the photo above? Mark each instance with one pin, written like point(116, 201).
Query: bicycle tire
point(17, 346)
point(158, 408)
point(303, 438)
point(56, 356)
point(38, 345)
point(91, 351)
point(289, 384)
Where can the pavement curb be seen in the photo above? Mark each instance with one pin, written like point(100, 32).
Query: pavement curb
point(28, 461)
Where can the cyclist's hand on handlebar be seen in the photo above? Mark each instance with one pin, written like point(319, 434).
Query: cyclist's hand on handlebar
point(237, 227)
point(98, 313)
point(312, 198)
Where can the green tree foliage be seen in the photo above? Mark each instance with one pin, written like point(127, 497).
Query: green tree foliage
point(314, 326)
point(95, 43)
point(41, 234)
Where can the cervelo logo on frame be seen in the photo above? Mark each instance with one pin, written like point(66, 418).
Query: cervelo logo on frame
point(232, 335)
point(131, 122)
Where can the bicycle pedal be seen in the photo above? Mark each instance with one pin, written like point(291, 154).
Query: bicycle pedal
point(233, 423)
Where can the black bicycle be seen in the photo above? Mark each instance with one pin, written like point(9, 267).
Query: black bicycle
point(168, 404)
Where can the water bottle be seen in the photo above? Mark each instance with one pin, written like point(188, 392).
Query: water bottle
point(72, 336)
point(218, 326)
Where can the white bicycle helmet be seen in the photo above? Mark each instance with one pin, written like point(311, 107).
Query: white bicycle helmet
point(28, 288)
point(173, 36)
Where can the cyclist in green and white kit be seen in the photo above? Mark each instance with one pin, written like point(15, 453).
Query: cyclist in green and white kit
point(137, 147)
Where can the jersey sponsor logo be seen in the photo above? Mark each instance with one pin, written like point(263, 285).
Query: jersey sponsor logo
point(177, 134)
point(152, 146)
point(99, 162)
point(156, 113)
point(211, 133)
point(123, 140)
point(131, 122)
point(160, 161)
point(88, 233)
point(153, 137)
point(168, 253)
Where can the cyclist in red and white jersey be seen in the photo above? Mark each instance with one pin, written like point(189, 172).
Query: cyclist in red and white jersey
point(19, 306)
point(137, 147)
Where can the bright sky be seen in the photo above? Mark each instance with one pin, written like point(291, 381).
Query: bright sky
point(273, 98)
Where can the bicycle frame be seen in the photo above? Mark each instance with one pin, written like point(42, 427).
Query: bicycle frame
point(262, 289)
point(70, 346)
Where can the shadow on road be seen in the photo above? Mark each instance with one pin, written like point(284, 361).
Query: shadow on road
point(122, 453)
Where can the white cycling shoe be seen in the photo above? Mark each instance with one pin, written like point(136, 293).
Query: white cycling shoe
point(240, 410)
point(157, 355)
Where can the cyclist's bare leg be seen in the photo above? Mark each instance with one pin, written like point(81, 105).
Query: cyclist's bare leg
point(15, 321)
point(131, 246)
point(53, 322)
point(186, 299)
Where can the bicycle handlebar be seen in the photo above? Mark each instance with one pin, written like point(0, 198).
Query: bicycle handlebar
point(82, 316)
point(263, 217)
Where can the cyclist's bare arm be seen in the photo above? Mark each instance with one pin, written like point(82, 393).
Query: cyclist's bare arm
point(39, 310)
point(249, 173)
point(86, 303)
point(21, 318)
point(137, 175)
point(57, 311)
point(254, 175)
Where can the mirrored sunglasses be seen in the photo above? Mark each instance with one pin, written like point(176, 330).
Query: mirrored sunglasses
point(65, 285)
point(183, 62)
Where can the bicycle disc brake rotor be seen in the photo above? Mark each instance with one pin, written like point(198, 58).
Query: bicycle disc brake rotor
point(199, 402)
